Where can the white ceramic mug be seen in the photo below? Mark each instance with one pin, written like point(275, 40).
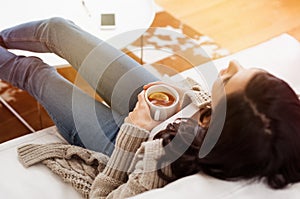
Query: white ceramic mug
point(162, 112)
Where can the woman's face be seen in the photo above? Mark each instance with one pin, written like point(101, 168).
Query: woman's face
point(232, 79)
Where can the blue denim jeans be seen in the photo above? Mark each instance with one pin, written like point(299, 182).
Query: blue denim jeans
point(79, 118)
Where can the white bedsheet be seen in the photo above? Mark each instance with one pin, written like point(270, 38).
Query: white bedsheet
point(35, 182)
point(280, 55)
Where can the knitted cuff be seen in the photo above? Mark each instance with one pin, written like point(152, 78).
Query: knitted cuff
point(31, 154)
point(153, 152)
point(130, 137)
point(197, 96)
point(193, 93)
point(128, 141)
point(88, 156)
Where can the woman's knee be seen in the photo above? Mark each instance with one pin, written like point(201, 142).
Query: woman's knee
point(57, 23)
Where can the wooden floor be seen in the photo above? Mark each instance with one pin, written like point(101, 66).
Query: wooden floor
point(234, 24)
point(26, 106)
point(238, 24)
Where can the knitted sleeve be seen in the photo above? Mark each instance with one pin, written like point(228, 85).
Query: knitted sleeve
point(129, 139)
point(143, 175)
point(196, 95)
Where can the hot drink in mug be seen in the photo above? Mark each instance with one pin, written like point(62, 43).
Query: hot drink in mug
point(163, 101)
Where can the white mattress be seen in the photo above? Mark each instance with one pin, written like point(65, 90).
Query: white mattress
point(35, 182)
point(280, 55)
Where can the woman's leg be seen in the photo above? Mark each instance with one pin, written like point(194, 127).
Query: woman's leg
point(115, 76)
point(80, 119)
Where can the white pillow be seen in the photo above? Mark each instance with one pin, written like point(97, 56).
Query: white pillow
point(201, 186)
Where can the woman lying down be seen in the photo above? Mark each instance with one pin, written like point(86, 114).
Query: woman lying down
point(252, 118)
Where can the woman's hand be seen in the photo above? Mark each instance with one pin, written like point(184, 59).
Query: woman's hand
point(140, 116)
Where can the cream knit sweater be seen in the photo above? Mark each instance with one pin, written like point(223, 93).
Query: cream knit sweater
point(130, 170)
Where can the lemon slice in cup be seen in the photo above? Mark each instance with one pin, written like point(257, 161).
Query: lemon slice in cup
point(159, 96)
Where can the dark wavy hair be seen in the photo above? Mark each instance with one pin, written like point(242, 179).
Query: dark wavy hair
point(259, 139)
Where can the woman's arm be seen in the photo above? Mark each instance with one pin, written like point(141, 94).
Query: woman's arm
point(128, 141)
point(143, 178)
point(132, 134)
